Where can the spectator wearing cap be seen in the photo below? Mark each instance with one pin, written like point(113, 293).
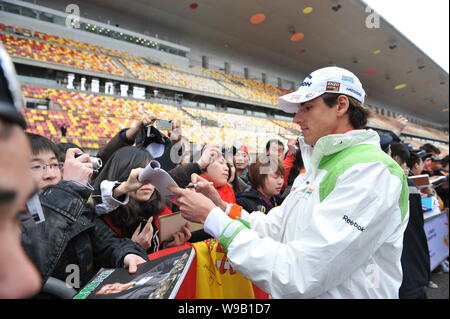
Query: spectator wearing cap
point(385, 142)
point(431, 149)
point(19, 278)
point(430, 160)
point(335, 225)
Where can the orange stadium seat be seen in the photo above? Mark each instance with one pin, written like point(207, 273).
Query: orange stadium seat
point(175, 78)
point(52, 48)
point(42, 51)
point(92, 119)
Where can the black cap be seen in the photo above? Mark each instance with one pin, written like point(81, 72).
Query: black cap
point(150, 134)
point(11, 98)
point(420, 153)
point(385, 141)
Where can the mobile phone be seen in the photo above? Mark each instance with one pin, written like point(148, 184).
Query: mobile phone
point(163, 125)
point(143, 223)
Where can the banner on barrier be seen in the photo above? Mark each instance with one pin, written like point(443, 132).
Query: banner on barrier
point(436, 230)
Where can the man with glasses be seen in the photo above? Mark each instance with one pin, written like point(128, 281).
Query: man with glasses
point(74, 236)
point(45, 168)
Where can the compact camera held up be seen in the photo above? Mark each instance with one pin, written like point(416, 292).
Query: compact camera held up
point(96, 161)
point(163, 125)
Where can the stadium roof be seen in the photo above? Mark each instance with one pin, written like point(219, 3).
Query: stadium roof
point(331, 36)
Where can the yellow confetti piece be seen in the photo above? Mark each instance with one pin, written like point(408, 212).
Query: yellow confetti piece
point(400, 86)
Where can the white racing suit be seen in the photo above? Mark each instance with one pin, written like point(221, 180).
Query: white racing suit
point(339, 233)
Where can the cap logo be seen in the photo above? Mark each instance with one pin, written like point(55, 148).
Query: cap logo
point(333, 86)
point(307, 96)
point(354, 91)
point(296, 97)
point(347, 79)
point(308, 84)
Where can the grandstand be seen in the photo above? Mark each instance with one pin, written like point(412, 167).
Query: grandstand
point(204, 98)
point(42, 51)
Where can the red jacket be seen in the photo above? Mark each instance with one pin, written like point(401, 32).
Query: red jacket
point(288, 163)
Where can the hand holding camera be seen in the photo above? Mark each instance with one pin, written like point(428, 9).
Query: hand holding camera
point(78, 168)
point(132, 132)
point(163, 125)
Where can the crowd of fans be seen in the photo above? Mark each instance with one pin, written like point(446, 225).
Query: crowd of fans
point(120, 214)
point(425, 160)
point(104, 217)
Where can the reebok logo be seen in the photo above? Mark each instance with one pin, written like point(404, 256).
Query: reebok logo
point(352, 223)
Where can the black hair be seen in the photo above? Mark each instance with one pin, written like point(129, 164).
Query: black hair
point(273, 141)
point(63, 147)
point(225, 151)
point(358, 114)
point(40, 144)
point(118, 168)
point(414, 159)
point(235, 182)
point(400, 150)
point(430, 148)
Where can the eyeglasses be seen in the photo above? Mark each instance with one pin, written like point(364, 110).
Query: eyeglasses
point(43, 167)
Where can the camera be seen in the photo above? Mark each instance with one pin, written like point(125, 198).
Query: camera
point(163, 125)
point(96, 161)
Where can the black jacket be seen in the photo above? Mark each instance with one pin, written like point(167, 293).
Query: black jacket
point(252, 200)
point(415, 256)
point(73, 234)
point(120, 140)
